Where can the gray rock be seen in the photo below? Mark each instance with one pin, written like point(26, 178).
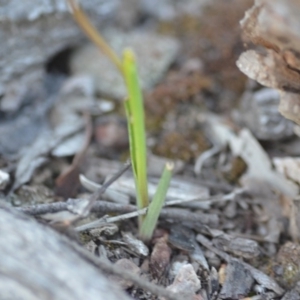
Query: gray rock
point(154, 54)
point(259, 111)
point(43, 264)
point(167, 10)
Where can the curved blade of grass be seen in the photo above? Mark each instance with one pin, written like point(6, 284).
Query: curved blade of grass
point(157, 203)
point(136, 127)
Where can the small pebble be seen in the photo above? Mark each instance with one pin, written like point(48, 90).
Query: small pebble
point(129, 266)
point(186, 282)
point(4, 179)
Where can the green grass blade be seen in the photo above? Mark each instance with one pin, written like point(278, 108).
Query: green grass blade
point(157, 203)
point(136, 127)
point(136, 124)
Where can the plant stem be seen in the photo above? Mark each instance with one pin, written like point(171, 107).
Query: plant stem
point(83, 21)
point(136, 127)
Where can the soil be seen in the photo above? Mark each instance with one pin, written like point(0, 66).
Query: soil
point(236, 240)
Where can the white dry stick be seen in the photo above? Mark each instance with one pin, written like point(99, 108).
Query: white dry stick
point(228, 197)
point(204, 156)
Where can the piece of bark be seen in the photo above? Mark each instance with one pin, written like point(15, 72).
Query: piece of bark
point(241, 247)
point(67, 183)
point(289, 106)
point(269, 69)
point(160, 257)
point(38, 263)
point(238, 281)
point(260, 277)
point(275, 26)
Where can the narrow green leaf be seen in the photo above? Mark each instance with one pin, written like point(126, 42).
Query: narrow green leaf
point(136, 127)
point(157, 203)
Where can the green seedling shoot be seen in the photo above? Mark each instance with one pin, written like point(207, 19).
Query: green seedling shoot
point(149, 223)
point(136, 129)
point(136, 126)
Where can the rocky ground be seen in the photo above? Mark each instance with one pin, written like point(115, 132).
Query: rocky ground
point(233, 230)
